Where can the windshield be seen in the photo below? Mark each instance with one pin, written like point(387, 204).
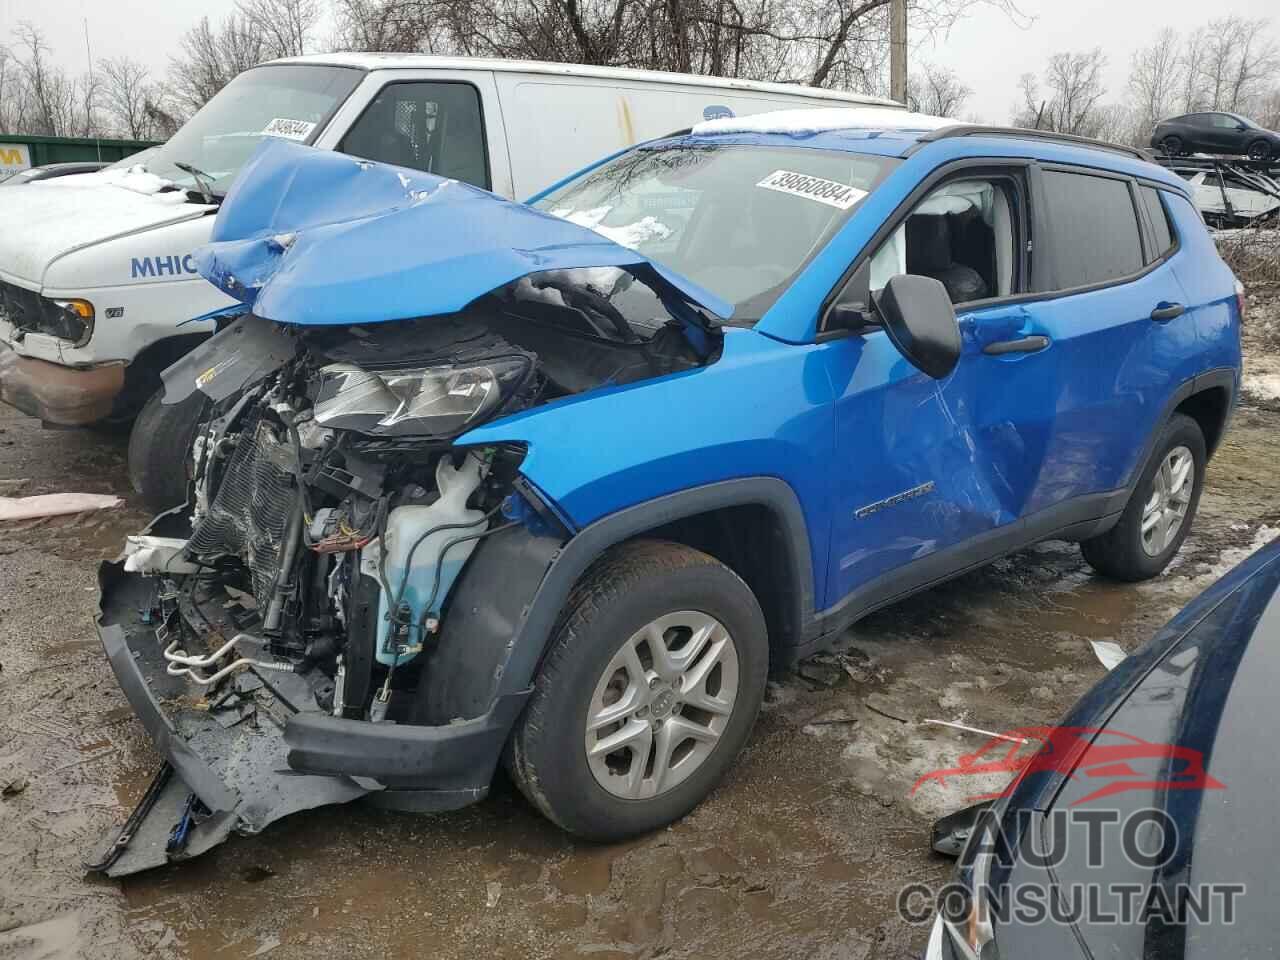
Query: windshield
point(741, 220)
point(289, 101)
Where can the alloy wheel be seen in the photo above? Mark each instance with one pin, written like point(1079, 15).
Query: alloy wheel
point(661, 705)
point(1170, 498)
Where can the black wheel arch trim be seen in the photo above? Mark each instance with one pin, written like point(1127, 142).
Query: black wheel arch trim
point(1219, 378)
point(567, 565)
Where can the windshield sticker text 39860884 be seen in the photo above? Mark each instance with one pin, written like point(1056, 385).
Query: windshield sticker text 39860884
point(831, 192)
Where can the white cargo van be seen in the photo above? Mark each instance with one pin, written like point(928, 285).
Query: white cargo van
point(96, 272)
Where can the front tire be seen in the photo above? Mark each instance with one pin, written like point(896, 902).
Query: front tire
point(1259, 150)
point(647, 694)
point(1160, 510)
point(160, 449)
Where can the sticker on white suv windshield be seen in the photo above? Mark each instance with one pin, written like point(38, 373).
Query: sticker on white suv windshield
point(289, 129)
point(831, 192)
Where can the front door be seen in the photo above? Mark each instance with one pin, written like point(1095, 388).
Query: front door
point(934, 476)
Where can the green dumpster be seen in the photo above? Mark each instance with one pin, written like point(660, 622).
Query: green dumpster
point(19, 153)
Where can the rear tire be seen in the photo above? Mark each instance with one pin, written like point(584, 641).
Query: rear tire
point(1160, 510)
point(671, 751)
point(160, 449)
point(1172, 146)
point(1259, 150)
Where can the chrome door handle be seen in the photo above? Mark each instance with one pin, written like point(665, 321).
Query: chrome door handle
point(1024, 345)
point(1167, 312)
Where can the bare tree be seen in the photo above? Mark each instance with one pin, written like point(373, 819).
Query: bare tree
point(210, 58)
point(1268, 112)
point(937, 91)
point(47, 88)
point(1155, 78)
point(1191, 70)
point(1073, 90)
point(1256, 61)
point(832, 43)
point(1238, 57)
point(13, 102)
point(285, 25)
point(126, 91)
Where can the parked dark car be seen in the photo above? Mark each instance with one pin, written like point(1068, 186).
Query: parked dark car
point(1225, 133)
point(49, 171)
point(1204, 823)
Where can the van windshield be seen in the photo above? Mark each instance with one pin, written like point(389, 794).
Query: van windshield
point(741, 220)
point(292, 101)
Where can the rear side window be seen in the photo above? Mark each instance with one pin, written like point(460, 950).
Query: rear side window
point(1094, 229)
point(436, 127)
point(1162, 231)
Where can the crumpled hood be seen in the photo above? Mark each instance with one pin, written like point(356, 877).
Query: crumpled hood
point(49, 219)
point(315, 237)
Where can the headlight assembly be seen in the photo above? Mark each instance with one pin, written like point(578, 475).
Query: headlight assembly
point(435, 401)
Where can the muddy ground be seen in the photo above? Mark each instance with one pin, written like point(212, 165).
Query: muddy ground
point(800, 853)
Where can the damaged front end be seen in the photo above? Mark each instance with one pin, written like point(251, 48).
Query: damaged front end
point(332, 615)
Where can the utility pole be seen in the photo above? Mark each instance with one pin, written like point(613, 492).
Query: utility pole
point(898, 50)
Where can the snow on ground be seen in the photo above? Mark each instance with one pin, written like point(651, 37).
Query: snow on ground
point(1264, 386)
point(823, 119)
point(1231, 557)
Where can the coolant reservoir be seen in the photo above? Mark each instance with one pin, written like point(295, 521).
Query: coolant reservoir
point(410, 526)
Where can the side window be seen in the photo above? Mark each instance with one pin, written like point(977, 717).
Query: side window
point(1161, 229)
point(436, 127)
point(1093, 228)
point(1224, 122)
point(964, 234)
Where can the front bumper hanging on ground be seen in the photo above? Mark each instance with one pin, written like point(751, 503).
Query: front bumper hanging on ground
point(259, 748)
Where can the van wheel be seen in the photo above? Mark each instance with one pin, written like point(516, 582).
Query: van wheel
point(648, 691)
point(160, 449)
point(1172, 146)
point(1160, 510)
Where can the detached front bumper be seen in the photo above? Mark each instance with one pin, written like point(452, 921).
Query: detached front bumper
point(266, 750)
point(57, 394)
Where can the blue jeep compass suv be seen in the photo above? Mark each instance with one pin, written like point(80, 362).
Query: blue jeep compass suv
point(554, 484)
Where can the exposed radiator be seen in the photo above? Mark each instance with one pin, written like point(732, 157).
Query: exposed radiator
point(250, 512)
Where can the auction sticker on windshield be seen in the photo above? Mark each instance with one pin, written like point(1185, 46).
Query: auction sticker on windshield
point(289, 129)
point(831, 192)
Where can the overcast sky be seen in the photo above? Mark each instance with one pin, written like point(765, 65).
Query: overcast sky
point(986, 49)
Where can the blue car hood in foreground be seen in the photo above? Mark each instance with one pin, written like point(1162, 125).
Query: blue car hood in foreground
point(315, 237)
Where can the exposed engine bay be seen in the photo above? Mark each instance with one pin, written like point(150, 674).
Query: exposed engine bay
point(332, 512)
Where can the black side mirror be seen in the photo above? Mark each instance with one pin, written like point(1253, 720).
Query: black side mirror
point(921, 322)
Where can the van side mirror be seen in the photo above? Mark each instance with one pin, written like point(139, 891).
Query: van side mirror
point(921, 322)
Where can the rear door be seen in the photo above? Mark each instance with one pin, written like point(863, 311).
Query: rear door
point(1111, 305)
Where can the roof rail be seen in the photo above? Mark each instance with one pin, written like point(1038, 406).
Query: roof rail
point(975, 130)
